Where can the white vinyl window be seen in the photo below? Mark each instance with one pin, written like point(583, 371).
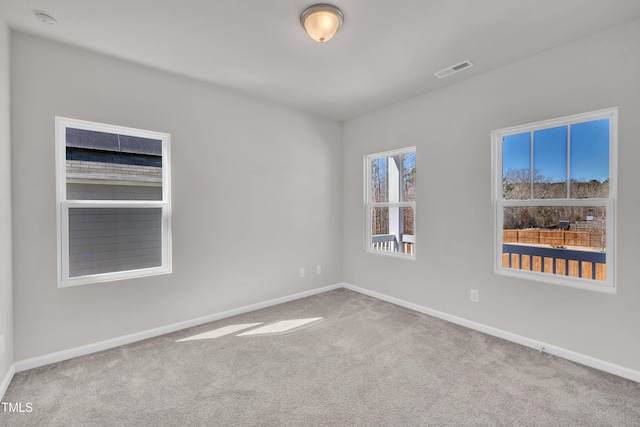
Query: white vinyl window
point(390, 202)
point(554, 196)
point(113, 196)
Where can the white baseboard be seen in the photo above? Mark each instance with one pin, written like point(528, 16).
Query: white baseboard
point(59, 356)
point(7, 380)
point(527, 342)
point(46, 359)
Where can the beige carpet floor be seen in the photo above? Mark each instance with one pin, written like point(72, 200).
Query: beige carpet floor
point(334, 359)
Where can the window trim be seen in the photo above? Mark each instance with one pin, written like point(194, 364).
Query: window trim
point(64, 205)
point(610, 203)
point(368, 205)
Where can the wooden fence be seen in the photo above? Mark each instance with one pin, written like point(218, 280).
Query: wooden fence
point(555, 237)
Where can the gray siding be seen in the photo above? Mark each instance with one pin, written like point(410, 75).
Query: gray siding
point(105, 240)
point(113, 192)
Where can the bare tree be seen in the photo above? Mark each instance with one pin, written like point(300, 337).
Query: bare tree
point(516, 184)
point(379, 193)
point(589, 189)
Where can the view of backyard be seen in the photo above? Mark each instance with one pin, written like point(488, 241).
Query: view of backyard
point(391, 197)
point(563, 240)
point(556, 193)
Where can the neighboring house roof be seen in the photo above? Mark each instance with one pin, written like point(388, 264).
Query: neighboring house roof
point(102, 158)
point(80, 138)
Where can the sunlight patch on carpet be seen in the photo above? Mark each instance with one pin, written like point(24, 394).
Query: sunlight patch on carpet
point(220, 332)
point(280, 327)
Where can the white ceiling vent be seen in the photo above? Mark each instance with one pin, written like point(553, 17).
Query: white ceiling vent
point(453, 69)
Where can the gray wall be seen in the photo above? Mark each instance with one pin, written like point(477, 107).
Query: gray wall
point(256, 195)
point(258, 192)
point(451, 129)
point(6, 297)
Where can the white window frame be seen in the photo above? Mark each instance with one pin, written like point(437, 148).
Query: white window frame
point(64, 205)
point(369, 205)
point(607, 286)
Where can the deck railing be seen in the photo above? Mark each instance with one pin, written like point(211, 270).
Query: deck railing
point(584, 264)
point(389, 243)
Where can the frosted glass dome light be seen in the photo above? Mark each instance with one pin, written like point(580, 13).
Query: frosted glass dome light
point(321, 21)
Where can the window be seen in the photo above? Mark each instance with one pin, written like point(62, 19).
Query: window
point(113, 189)
point(554, 193)
point(390, 202)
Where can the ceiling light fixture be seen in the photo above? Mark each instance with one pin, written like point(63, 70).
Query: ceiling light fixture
point(321, 21)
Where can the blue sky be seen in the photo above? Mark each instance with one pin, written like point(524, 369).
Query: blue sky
point(589, 151)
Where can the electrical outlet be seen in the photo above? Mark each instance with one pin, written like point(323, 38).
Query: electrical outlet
point(475, 295)
point(1, 345)
point(302, 273)
point(318, 269)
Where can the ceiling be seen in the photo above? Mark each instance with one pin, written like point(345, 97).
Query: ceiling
point(386, 51)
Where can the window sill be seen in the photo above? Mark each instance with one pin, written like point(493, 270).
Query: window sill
point(410, 257)
point(563, 281)
point(111, 277)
